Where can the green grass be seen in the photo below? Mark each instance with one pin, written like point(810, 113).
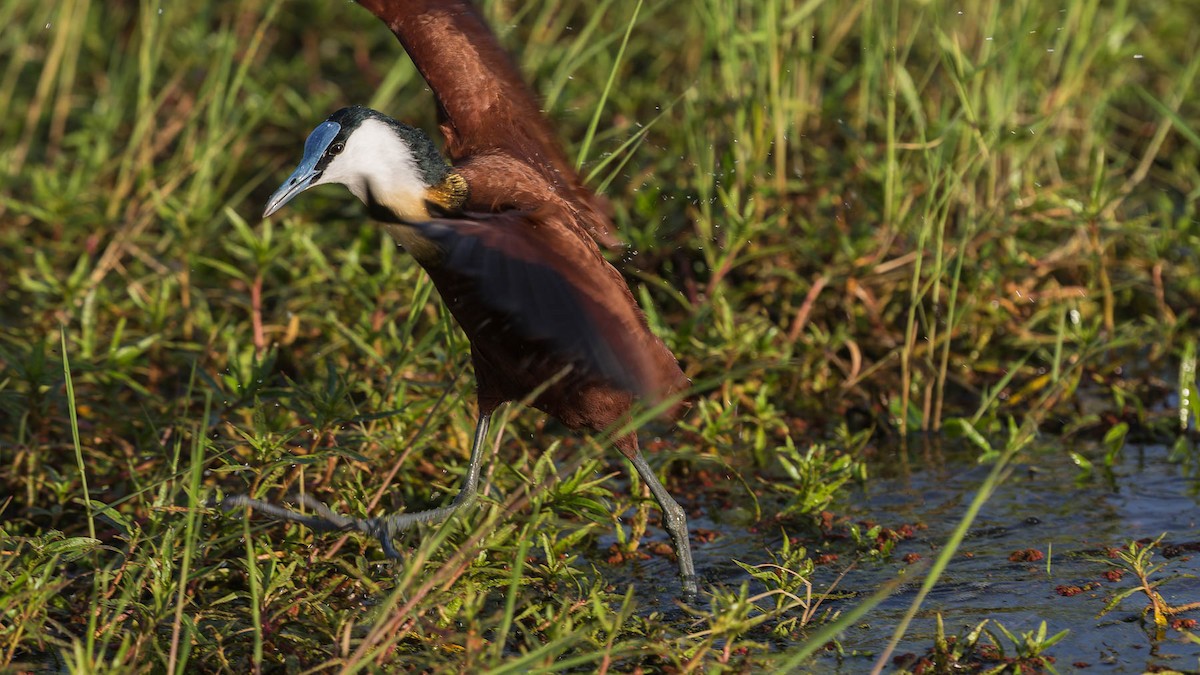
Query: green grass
point(852, 221)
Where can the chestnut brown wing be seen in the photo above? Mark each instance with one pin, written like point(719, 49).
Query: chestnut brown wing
point(516, 272)
point(485, 106)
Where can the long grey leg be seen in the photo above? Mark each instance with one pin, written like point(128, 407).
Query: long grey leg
point(674, 520)
point(384, 528)
point(387, 527)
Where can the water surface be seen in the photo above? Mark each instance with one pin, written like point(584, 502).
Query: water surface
point(1047, 504)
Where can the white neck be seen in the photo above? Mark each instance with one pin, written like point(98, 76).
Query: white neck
point(378, 165)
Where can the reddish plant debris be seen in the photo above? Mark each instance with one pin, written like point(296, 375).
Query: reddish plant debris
point(887, 534)
point(990, 652)
point(661, 548)
point(616, 556)
point(911, 558)
point(825, 559)
point(826, 518)
point(1114, 575)
point(1026, 555)
point(1081, 664)
point(968, 554)
point(1183, 624)
point(704, 536)
point(1068, 590)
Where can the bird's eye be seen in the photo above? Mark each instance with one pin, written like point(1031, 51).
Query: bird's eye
point(337, 148)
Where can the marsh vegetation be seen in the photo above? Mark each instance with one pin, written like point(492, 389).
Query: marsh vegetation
point(862, 226)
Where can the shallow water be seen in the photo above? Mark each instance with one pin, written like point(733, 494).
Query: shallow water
point(1045, 504)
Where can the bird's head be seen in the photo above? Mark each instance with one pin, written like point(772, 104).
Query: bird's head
point(393, 168)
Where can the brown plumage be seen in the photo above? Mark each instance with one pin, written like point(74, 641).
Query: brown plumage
point(507, 236)
point(535, 297)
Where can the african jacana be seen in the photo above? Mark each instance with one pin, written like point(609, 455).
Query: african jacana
point(506, 234)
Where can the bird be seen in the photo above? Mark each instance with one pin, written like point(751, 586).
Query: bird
point(508, 233)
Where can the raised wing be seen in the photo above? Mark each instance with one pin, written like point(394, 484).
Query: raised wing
point(484, 104)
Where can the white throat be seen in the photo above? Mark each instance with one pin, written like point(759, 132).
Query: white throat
point(378, 165)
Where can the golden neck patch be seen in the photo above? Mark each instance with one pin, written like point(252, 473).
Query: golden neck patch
point(450, 194)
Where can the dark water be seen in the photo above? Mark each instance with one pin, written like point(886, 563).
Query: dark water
point(1046, 504)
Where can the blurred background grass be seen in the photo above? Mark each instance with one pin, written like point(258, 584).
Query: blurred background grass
point(852, 221)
